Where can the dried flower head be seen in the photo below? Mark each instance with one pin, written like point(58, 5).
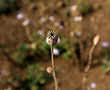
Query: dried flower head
point(51, 38)
point(51, 34)
point(96, 39)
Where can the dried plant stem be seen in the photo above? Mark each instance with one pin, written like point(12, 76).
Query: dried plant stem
point(84, 79)
point(53, 67)
point(28, 34)
point(95, 42)
point(90, 59)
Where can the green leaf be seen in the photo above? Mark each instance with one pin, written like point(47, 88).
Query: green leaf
point(42, 81)
point(21, 59)
point(15, 54)
point(35, 87)
point(67, 55)
point(23, 47)
point(66, 1)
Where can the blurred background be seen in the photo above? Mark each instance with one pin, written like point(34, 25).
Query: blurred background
point(25, 54)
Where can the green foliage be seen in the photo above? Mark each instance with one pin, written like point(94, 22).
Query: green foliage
point(64, 48)
point(84, 7)
point(35, 77)
point(7, 5)
point(41, 49)
point(21, 53)
point(66, 1)
point(67, 55)
point(106, 62)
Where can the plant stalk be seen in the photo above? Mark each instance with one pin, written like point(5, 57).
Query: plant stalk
point(53, 67)
point(90, 59)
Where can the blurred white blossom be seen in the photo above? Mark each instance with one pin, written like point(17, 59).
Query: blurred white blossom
point(56, 24)
point(73, 7)
point(43, 19)
point(78, 18)
point(59, 39)
point(78, 34)
point(93, 85)
point(105, 44)
point(51, 18)
point(61, 27)
point(4, 72)
point(26, 22)
point(56, 51)
point(41, 32)
point(20, 16)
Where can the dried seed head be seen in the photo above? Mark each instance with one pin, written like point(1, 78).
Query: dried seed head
point(51, 34)
point(51, 38)
point(96, 39)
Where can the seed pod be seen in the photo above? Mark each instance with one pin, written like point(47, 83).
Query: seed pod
point(52, 38)
point(49, 69)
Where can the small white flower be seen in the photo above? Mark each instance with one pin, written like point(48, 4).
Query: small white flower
point(78, 18)
point(41, 32)
point(61, 27)
point(73, 8)
point(43, 19)
point(56, 24)
point(3, 72)
point(20, 16)
point(93, 85)
point(58, 39)
point(78, 34)
point(56, 51)
point(26, 22)
point(51, 18)
point(105, 44)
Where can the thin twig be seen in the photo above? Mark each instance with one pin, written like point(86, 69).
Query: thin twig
point(84, 79)
point(53, 67)
point(28, 34)
point(90, 59)
point(95, 42)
